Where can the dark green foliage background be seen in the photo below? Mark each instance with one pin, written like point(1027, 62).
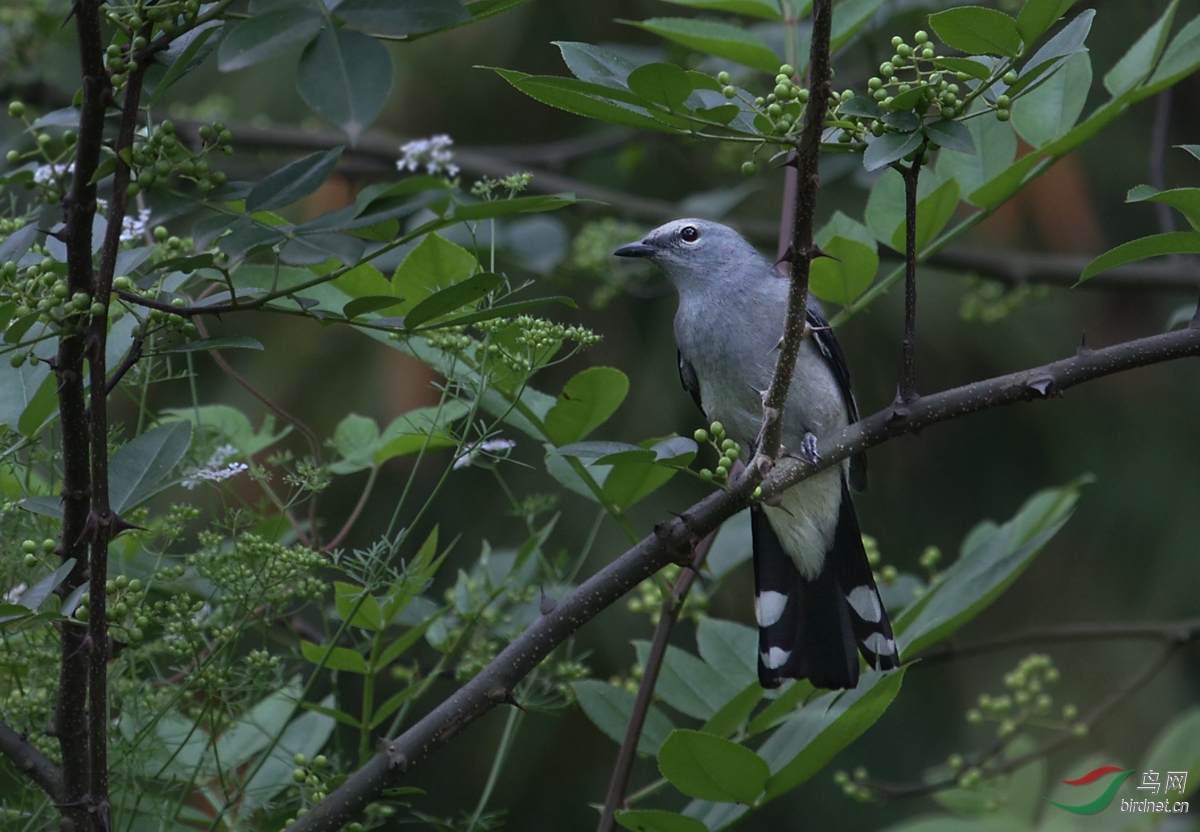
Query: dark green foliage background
point(1129, 553)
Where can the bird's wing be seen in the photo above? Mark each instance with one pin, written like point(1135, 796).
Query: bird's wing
point(689, 380)
point(831, 350)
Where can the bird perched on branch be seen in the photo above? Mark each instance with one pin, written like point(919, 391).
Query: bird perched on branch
point(816, 601)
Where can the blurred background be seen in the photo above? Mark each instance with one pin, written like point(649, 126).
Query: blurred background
point(1128, 554)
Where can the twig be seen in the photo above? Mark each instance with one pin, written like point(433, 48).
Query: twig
point(912, 177)
point(802, 250)
point(31, 762)
point(353, 518)
point(131, 359)
point(1016, 268)
point(668, 615)
point(1159, 142)
point(1168, 631)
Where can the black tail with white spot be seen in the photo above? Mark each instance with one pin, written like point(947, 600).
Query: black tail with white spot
point(816, 629)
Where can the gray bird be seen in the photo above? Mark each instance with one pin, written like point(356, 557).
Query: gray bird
point(815, 597)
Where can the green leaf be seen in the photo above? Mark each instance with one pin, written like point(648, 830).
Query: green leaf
point(1049, 111)
point(992, 558)
point(595, 63)
point(976, 30)
point(466, 293)
point(933, 212)
point(224, 342)
point(435, 264)
point(609, 707)
point(712, 768)
point(764, 9)
point(889, 148)
point(33, 598)
point(808, 740)
point(356, 438)
point(970, 67)
point(519, 205)
point(577, 97)
point(629, 482)
point(729, 647)
point(606, 453)
point(951, 135)
point(1037, 16)
point(1001, 187)
point(1184, 200)
point(1156, 245)
point(843, 276)
point(656, 820)
point(266, 36)
point(849, 16)
point(229, 424)
point(293, 181)
point(345, 77)
point(996, 147)
point(734, 713)
point(687, 684)
point(186, 52)
point(370, 303)
point(664, 84)
point(20, 385)
point(139, 468)
point(41, 408)
point(884, 215)
point(333, 657)
point(788, 700)
point(424, 427)
point(411, 17)
point(720, 39)
point(367, 615)
point(585, 403)
point(1138, 62)
point(1180, 59)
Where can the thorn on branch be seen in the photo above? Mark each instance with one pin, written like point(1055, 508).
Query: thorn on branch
point(547, 604)
point(1084, 349)
point(395, 758)
point(1043, 385)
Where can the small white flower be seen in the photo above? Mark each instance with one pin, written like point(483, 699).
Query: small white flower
point(492, 447)
point(434, 153)
point(14, 594)
point(215, 470)
point(48, 173)
point(135, 229)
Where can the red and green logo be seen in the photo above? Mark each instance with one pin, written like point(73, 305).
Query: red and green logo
point(1105, 798)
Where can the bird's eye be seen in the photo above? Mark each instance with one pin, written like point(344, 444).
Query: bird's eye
point(689, 234)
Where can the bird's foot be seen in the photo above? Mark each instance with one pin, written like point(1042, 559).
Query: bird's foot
point(808, 449)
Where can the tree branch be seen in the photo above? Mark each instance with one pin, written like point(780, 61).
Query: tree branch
point(912, 177)
point(802, 250)
point(669, 614)
point(31, 762)
point(1015, 268)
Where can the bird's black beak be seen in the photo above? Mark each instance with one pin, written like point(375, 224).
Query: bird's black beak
point(641, 249)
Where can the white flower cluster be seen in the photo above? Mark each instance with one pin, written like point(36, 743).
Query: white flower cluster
point(492, 447)
point(215, 469)
point(434, 153)
point(47, 173)
point(135, 229)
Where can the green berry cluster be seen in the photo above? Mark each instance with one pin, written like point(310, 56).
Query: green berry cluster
point(35, 552)
point(160, 155)
point(854, 786)
point(52, 154)
point(312, 779)
point(883, 573)
point(727, 449)
point(1026, 702)
point(989, 301)
point(131, 19)
point(124, 609)
point(648, 598)
point(629, 683)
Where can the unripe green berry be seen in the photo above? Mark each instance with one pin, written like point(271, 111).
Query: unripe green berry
point(99, 309)
point(1003, 115)
point(749, 168)
point(1010, 77)
point(1002, 101)
point(723, 78)
point(897, 40)
point(13, 156)
point(16, 109)
point(706, 475)
point(788, 70)
point(921, 37)
point(28, 546)
point(886, 69)
point(729, 92)
point(701, 435)
point(31, 561)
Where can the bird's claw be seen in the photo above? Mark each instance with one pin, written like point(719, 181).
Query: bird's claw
point(808, 449)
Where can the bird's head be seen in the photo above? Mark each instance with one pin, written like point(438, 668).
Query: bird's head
point(694, 253)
